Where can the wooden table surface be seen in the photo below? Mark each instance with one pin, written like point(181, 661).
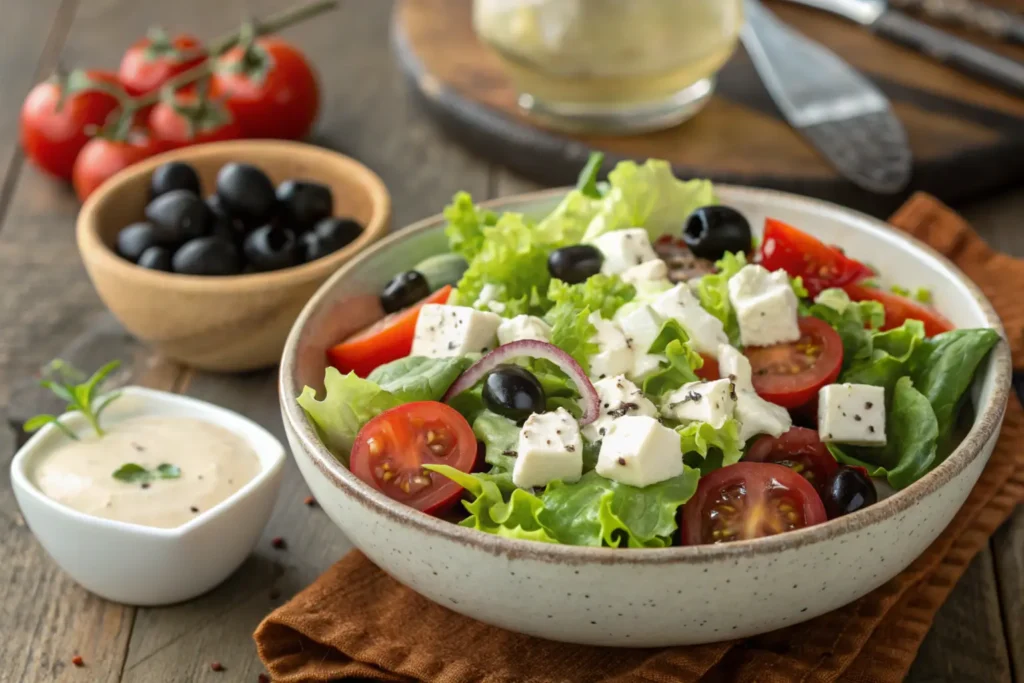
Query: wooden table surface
point(46, 302)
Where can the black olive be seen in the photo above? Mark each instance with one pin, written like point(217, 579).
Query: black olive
point(137, 238)
point(174, 175)
point(156, 258)
point(302, 204)
point(403, 291)
point(848, 491)
point(514, 392)
point(338, 232)
point(575, 264)
point(710, 231)
point(207, 256)
point(179, 216)
point(271, 248)
point(247, 193)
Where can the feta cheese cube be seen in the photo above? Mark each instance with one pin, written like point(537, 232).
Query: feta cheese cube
point(641, 327)
point(711, 402)
point(614, 357)
point(523, 327)
point(765, 305)
point(444, 331)
point(754, 414)
point(734, 365)
point(654, 270)
point(639, 451)
point(852, 413)
point(645, 364)
point(549, 448)
point(706, 331)
point(619, 397)
point(623, 249)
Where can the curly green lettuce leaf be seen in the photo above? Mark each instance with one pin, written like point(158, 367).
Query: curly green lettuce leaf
point(713, 292)
point(349, 402)
point(572, 332)
point(912, 432)
point(855, 321)
point(466, 223)
point(602, 293)
point(416, 378)
point(702, 439)
point(672, 342)
point(889, 357)
point(648, 196)
point(943, 368)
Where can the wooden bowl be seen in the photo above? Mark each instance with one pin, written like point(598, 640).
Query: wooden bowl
point(231, 323)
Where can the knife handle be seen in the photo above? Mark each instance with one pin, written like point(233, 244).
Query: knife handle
point(948, 49)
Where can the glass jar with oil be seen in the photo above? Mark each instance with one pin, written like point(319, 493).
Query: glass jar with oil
point(611, 66)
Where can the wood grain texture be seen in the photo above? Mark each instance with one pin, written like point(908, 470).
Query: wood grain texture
point(1008, 549)
point(967, 137)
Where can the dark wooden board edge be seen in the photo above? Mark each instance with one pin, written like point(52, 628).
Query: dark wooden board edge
point(552, 159)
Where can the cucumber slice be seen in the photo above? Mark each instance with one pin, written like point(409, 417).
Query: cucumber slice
point(442, 269)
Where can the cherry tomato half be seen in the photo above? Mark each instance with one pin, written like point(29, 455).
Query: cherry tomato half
point(790, 374)
point(386, 340)
point(709, 371)
point(749, 500)
point(271, 89)
point(154, 60)
point(899, 309)
point(390, 450)
point(53, 136)
point(102, 158)
point(799, 449)
point(210, 121)
point(801, 255)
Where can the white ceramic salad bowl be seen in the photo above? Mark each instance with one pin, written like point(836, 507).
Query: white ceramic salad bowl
point(652, 597)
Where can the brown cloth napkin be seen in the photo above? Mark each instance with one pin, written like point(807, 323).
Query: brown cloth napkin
point(357, 622)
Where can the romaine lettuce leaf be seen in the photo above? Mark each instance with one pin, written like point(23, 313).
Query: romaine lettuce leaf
point(713, 292)
point(889, 357)
point(672, 342)
point(466, 224)
point(349, 402)
point(701, 437)
point(855, 321)
point(572, 332)
point(416, 378)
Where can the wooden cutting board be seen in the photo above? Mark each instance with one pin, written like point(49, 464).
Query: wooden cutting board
point(967, 137)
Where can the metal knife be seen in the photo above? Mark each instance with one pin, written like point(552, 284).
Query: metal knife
point(944, 47)
point(973, 14)
point(836, 109)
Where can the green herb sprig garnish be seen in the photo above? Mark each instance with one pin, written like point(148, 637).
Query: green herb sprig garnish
point(82, 395)
point(137, 474)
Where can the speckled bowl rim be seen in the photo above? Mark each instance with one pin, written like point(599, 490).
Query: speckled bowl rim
point(987, 423)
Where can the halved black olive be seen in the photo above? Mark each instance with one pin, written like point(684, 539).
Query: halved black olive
point(575, 264)
point(403, 291)
point(710, 231)
point(514, 392)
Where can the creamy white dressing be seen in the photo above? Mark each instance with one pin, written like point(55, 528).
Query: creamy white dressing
point(214, 463)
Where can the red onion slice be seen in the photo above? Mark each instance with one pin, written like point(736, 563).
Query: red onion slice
point(530, 348)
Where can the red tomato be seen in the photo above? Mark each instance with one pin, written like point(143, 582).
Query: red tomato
point(801, 255)
point(271, 89)
point(52, 137)
point(390, 450)
point(790, 374)
point(386, 340)
point(799, 449)
point(749, 500)
point(210, 121)
point(102, 158)
point(154, 60)
point(900, 308)
point(708, 371)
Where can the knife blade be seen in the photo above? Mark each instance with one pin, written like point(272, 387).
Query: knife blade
point(841, 113)
point(946, 48)
point(973, 14)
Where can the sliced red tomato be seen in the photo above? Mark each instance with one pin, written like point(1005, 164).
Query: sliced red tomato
point(749, 500)
point(790, 374)
point(709, 371)
point(799, 449)
point(899, 309)
point(391, 449)
point(386, 340)
point(820, 265)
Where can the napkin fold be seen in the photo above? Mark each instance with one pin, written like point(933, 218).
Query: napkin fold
point(355, 622)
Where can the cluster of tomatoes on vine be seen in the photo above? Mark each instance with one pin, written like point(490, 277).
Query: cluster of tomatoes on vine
point(169, 92)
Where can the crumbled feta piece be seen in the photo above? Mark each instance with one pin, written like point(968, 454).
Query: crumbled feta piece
point(712, 402)
point(549, 448)
point(852, 413)
point(619, 397)
point(645, 364)
point(623, 249)
point(639, 451)
point(754, 414)
point(765, 305)
point(654, 270)
point(523, 327)
point(706, 331)
point(641, 327)
point(444, 331)
point(614, 357)
point(487, 299)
